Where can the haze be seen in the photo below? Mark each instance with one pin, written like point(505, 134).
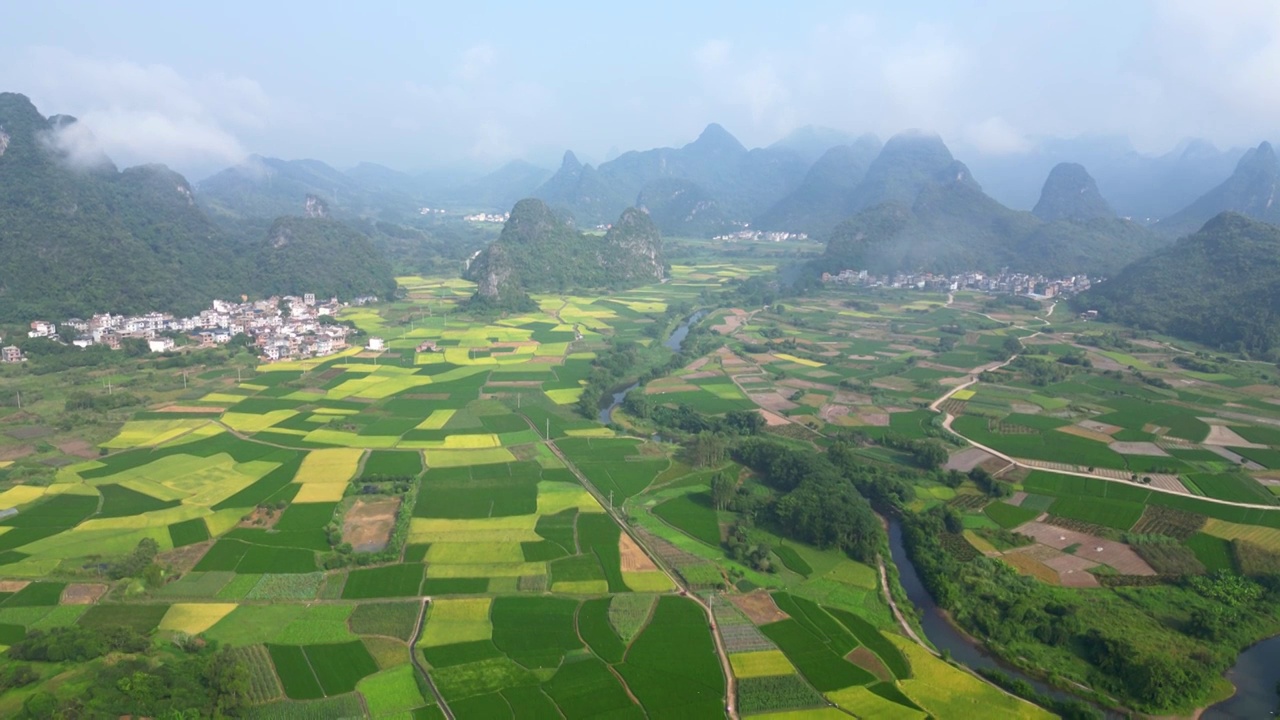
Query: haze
point(417, 87)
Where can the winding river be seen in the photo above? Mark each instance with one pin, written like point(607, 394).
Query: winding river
point(674, 342)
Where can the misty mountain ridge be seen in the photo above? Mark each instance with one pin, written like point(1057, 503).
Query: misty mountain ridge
point(939, 219)
point(738, 180)
point(1253, 190)
point(1070, 193)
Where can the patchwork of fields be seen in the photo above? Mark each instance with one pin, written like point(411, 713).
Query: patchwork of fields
point(343, 521)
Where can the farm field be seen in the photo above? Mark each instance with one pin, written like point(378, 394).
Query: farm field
point(339, 522)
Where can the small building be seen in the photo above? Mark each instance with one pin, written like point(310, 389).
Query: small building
point(376, 344)
point(160, 345)
point(309, 298)
point(40, 328)
point(428, 346)
point(11, 354)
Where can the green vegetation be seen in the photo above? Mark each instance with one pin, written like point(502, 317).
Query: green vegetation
point(1174, 290)
point(538, 251)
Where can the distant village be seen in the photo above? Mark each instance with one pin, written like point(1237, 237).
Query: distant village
point(1004, 283)
point(760, 236)
point(280, 328)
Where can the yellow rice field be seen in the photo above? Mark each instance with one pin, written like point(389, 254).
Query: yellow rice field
point(762, 663)
point(336, 465)
point(194, 618)
point(799, 360)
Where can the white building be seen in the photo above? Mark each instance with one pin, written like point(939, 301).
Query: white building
point(376, 344)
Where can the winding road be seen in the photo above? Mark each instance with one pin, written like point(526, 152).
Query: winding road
point(948, 418)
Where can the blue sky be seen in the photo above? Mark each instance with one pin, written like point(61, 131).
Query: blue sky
point(416, 85)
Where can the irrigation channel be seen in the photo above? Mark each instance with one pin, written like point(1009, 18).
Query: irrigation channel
point(1254, 674)
point(673, 342)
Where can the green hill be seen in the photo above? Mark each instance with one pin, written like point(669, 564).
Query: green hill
point(75, 239)
point(79, 237)
point(320, 255)
point(825, 195)
point(538, 251)
point(1219, 286)
point(1070, 193)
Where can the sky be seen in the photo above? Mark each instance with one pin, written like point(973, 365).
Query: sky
point(423, 85)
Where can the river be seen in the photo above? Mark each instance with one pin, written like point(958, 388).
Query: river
point(673, 342)
point(1255, 673)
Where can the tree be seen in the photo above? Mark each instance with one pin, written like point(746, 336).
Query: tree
point(707, 449)
point(723, 488)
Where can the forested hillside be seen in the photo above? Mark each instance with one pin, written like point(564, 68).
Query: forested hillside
point(539, 251)
point(1219, 286)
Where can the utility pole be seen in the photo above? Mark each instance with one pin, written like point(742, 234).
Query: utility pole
point(184, 379)
point(548, 429)
point(19, 399)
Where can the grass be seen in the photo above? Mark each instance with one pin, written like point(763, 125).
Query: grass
point(672, 665)
point(188, 532)
point(389, 581)
point(944, 691)
point(1113, 514)
point(459, 620)
point(340, 667)
point(1212, 552)
point(792, 560)
point(1009, 516)
point(272, 586)
point(142, 618)
point(693, 515)
point(629, 613)
point(36, 594)
point(585, 688)
point(1263, 537)
point(391, 691)
point(295, 673)
point(395, 620)
point(779, 692)
point(535, 631)
point(862, 702)
point(393, 463)
point(597, 632)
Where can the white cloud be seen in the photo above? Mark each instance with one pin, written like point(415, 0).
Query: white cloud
point(477, 112)
point(140, 113)
point(995, 136)
point(476, 61)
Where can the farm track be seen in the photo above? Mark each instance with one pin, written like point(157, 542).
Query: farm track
point(731, 690)
point(413, 655)
point(948, 418)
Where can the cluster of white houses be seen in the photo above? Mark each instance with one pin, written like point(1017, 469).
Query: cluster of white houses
point(1002, 283)
point(280, 327)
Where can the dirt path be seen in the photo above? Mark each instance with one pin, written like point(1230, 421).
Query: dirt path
point(902, 620)
point(731, 690)
point(413, 655)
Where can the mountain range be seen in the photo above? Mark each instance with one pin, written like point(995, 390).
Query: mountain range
point(923, 211)
point(714, 166)
point(78, 236)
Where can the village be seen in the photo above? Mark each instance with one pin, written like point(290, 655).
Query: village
point(1003, 283)
point(279, 328)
